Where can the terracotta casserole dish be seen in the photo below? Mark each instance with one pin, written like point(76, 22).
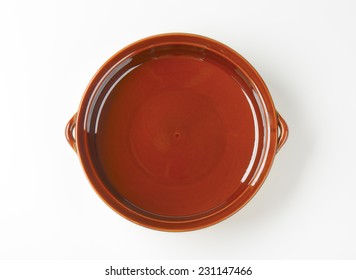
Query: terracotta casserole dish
point(176, 132)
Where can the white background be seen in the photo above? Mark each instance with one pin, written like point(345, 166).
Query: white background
point(304, 50)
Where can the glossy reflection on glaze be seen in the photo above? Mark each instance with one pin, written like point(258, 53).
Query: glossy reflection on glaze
point(176, 132)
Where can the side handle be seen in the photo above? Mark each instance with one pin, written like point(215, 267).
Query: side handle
point(282, 132)
point(69, 132)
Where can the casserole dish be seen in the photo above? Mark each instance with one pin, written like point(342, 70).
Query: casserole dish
point(176, 132)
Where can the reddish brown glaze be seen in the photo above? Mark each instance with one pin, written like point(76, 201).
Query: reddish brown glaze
point(177, 132)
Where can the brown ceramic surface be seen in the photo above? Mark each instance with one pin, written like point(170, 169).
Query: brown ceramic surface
point(176, 132)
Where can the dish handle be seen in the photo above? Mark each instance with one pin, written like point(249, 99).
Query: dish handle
point(69, 132)
point(282, 132)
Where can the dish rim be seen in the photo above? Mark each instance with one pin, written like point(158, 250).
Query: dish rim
point(81, 143)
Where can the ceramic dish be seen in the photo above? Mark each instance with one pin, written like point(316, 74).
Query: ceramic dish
point(176, 132)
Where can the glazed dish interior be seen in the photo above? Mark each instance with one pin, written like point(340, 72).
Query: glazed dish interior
point(177, 132)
